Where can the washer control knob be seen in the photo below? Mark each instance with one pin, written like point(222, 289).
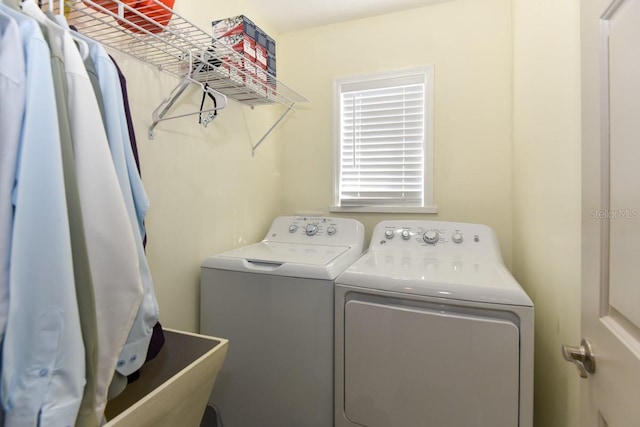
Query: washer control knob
point(406, 235)
point(293, 228)
point(431, 237)
point(457, 237)
point(311, 229)
point(331, 230)
point(388, 234)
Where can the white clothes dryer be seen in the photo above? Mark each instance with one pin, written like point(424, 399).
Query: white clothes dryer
point(273, 300)
point(432, 330)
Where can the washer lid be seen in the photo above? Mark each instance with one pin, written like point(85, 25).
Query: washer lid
point(469, 278)
point(277, 252)
point(287, 259)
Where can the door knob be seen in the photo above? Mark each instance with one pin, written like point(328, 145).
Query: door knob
point(582, 357)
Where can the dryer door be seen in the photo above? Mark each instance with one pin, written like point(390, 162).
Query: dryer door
point(415, 366)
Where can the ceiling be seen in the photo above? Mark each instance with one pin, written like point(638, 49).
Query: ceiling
point(292, 15)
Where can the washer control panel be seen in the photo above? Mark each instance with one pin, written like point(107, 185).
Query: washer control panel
point(441, 236)
point(315, 230)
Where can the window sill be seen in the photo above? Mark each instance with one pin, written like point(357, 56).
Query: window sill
point(385, 209)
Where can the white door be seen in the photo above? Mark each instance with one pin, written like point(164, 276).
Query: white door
point(611, 210)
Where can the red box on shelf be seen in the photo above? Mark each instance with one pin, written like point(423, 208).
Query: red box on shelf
point(138, 16)
point(239, 34)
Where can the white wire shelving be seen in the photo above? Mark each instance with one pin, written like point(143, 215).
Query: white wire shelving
point(178, 48)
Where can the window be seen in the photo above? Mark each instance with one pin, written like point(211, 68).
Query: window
point(383, 137)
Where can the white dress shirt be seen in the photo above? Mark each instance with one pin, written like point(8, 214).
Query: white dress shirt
point(135, 350)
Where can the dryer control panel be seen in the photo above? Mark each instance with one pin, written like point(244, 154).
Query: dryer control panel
point(440, 236)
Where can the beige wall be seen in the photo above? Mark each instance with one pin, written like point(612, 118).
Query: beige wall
point(507, 152)
point(207, 192)
point(546, 193)
point(469, 43)
point(507, 142)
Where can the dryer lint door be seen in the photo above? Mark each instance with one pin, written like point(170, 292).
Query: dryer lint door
point(413, 366)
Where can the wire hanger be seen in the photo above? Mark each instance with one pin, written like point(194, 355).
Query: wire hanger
point(212, 113)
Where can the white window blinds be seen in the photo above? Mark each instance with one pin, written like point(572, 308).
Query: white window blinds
point(382, 141)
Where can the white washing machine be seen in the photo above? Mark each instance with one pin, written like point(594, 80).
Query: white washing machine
point(432, 330)
point(273, 300)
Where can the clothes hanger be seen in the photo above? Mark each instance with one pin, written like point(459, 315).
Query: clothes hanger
point(60, 19)
point(32, 9)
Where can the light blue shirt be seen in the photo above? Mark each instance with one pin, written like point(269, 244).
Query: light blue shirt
point(12, 100)
point(135, 350)
point(43, 355)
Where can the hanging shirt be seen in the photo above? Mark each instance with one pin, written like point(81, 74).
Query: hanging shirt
point(12, 101)
point(81, 271)
point(136, 201)
point(157, 337)
point(110, 241)
point(43, 355)
point(127, 113)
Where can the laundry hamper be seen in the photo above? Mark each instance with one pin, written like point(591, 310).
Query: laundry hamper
point(174, 387)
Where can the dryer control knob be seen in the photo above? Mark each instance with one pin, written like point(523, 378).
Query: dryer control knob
point(331, 230)
point(406, 235)
point(293, 228)
point(457, 238)
point(311, 229)
point(431, 237)
point(389, 234)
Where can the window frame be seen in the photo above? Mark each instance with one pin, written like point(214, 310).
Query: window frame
point(427, 72)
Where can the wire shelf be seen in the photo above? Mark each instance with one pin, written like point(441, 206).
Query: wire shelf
point(178, 48)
